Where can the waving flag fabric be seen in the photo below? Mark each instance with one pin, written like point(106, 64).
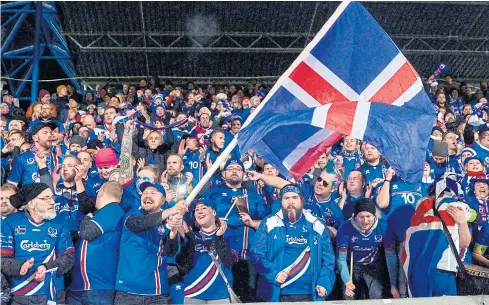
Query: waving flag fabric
point(350, 60)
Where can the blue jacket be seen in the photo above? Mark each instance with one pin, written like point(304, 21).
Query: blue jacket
point(268, 255)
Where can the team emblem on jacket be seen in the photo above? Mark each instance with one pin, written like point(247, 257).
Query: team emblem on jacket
point(52, 232)
point(378, 238)
point(354, 239)
point(30, 161)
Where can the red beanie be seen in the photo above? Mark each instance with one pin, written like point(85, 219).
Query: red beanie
point(106, 157)
point(43, 93)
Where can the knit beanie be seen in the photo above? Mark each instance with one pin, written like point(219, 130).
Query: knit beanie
point(26, 193)
point(106, 157)
point(43, 93)
point(76, 139)
point(364, 205)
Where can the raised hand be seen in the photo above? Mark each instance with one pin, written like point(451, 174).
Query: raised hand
point(202, 151)
point(80, 172)
point(141, 162)
point(182, 149)
point(457, 213)
point(253, 175)
point(208, 161)
point(56, 175)
point(164, 177)
point(189, 177)
point(222, 228)
point(41, 158)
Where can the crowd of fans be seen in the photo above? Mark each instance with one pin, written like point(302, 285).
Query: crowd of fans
point(94, 186)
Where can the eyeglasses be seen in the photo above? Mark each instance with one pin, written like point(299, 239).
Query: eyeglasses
point(353, 179)
point(48, 199)
point(325, 183)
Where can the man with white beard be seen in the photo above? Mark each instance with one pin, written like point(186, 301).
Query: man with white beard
point(34, 244)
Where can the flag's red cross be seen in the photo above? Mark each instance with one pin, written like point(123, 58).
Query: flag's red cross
point(325, 92)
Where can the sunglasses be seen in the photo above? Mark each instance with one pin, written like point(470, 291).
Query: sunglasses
point(325, 183)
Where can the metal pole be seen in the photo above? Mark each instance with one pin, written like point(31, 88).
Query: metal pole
point(37, 53)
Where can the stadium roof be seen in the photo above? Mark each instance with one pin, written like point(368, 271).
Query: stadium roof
point(239, 40)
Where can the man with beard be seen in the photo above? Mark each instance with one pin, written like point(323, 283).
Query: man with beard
point(364, 235)
point(293, 253)
point(439, 159)
point(179, 183)
point(77, 144)
point(242, 221)
point(48, 115)
point(373, 168)
point(35, 244)
point(94, 274)
point(24, 170)
point(71, 201)
point(131, 196)
point(349, 158)
point(146, 243)
point(318, 197)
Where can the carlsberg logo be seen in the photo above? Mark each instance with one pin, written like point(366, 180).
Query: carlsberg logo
point(30, 246)
point(295, 240)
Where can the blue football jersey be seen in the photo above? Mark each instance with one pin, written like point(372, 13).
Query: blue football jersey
point(299, 280)
point(67, 207)
point(25, 169)
point(24, 239)
point(96, 261)
point(142, 266)
point(203, 281)
point(192, 164)
point(366, 247)
point(328, 210)
point(238, 236)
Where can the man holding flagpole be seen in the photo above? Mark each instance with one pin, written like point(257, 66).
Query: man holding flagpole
point(293, 253)
point(242, 208)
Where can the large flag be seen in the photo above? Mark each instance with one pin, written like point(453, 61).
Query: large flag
point(424, 246)
point(351, 59)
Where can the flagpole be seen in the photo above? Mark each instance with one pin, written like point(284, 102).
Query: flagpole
point(220, 159)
